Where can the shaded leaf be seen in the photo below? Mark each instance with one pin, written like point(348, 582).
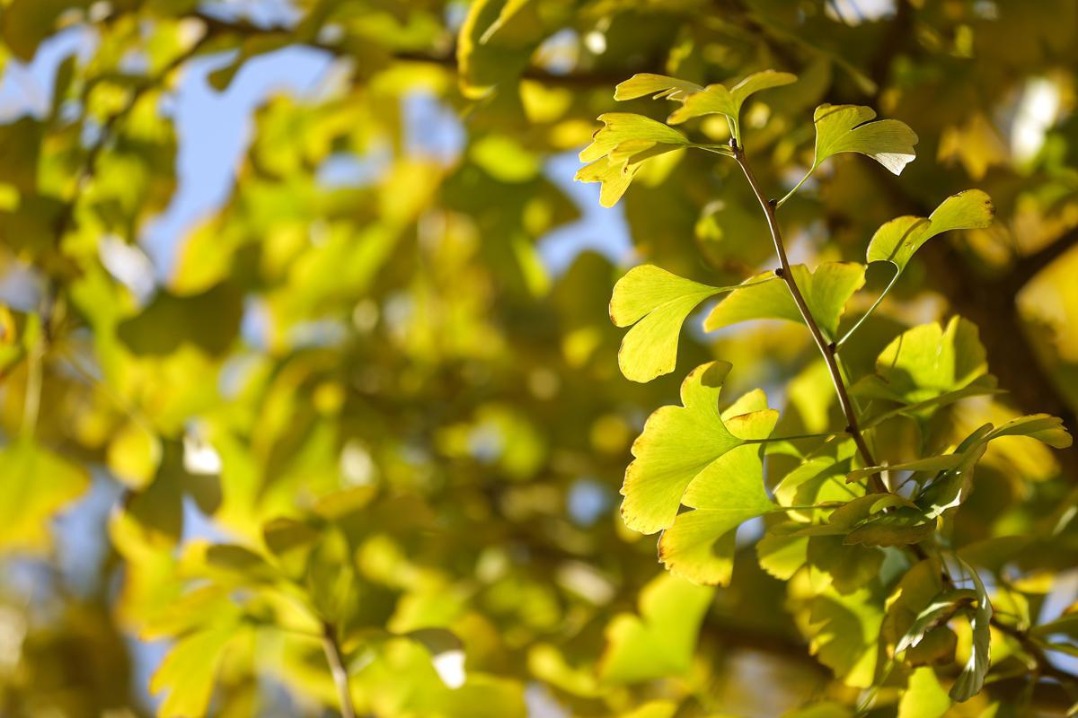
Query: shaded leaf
point(210, 321)
point(971, 679)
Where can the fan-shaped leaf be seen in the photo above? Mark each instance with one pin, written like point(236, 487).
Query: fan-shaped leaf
point(896, 241)
point(657, 302)
point(717, 99)
point(847, 128)
point(658, 86)
point(700, 545)
point(619, 147)
point(826, 292)
point(680, 443)
point(926, 362)
point(660, 641)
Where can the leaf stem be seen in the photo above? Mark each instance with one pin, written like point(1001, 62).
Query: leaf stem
point(866, 315)
point(335, 658)
point(796, 187)
point(827, 349)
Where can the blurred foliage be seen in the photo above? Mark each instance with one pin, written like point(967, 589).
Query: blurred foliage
point(362, 435)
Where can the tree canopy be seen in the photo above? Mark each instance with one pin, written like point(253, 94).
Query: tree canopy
point(391, 430)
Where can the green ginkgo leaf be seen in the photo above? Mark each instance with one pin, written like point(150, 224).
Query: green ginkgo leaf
point(660, 641)
point(896, 241)
point(657, 302)
point(847, 128)
point(926, 362)
point(189, 670)
point(619, 148)
point(971, 679)
point(658, 86)
point(679, 444)
point(826, 292)
point(700, 544)
point(1042, 427)
point(37, 484)
point(717, 99)
point(923, 697)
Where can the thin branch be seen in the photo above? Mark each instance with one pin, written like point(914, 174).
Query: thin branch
point(335, 658)
point(827, 349)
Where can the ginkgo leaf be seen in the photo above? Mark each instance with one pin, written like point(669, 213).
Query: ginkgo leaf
point(717, 99)
point(847, 128)
point(661, 640)
point(657, 302)
point(189, 670)
point(679, 443)
point(843, 633)
point(618, 149)
point(826, 292)
point(700, 544)
point(896, 241)
point(36, 485)
point(619, 127)
point(1042, 427)
point(923, 697)
point(971, 679)
point(658, 86)
point(925, 362)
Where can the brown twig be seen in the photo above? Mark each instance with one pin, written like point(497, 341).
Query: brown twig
point(335, 658)
point(827, 349)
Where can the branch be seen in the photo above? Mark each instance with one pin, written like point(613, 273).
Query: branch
point(446, 59)
point(335, 658)
point(827, 349)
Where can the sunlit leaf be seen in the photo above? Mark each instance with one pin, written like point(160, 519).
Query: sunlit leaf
point(657, 302)
point(618, 149)
point(699, 545)
point(717, 99)
point(679, 444)
point(923, 697)
point(36, 484)
point(847, 128)
point(189, 671)
point(896, 241)
point(826, 292)
point(926, 362)
point(660, 640)
point(658, 86)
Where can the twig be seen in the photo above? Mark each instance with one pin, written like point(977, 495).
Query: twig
point(827, 349)
point(335, 658)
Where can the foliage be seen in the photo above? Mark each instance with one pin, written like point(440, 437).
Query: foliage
point(355, 446)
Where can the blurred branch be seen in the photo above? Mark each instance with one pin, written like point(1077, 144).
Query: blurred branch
point(335, 658)
point(446, 59)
